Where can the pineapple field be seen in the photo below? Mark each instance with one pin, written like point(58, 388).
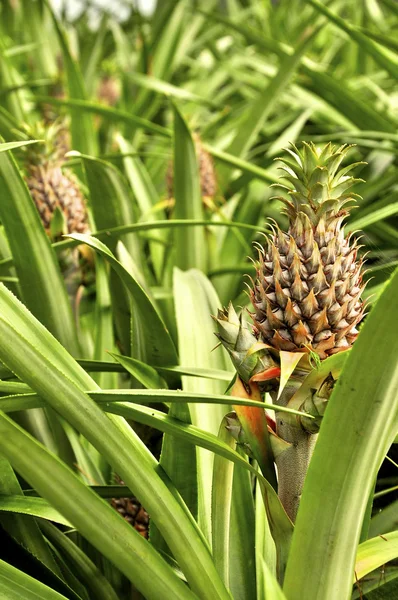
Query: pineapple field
point(199, 300)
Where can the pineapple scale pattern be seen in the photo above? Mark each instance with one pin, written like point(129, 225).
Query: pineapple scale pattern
point(309, 283)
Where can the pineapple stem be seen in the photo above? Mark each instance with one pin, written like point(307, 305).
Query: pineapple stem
point(292, 464)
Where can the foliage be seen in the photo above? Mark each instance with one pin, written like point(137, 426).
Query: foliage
point(108, 370)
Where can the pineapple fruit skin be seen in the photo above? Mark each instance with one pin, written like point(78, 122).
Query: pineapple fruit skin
point(51, 186)
point(132, 512)
point(307, 295)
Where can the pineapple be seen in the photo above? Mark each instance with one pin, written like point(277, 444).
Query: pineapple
point(208, 183)
point(132, 511)
point(59, 201)
point(308, 290)
point(53, 190)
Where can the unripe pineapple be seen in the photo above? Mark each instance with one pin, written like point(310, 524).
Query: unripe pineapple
point(53, 189)
point(207, 174)
point(309, 283)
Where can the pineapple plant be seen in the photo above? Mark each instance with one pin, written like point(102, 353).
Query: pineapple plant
point(306, 304)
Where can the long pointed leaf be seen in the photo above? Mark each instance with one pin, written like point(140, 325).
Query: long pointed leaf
point(39, 275)
point(114, 439)
point(357, 430)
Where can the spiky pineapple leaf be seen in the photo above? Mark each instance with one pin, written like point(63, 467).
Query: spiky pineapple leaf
point(37, 507)
point(39, 275)
point(190, 247)
point(289, 361)
point(385, 59)
point(22, 528)
point(17, 585)
point(145, 374)
point(83, 133)
point(89, 574)
point(113, 114)
point(221, 497)
point(118, 444)
point(29, 400)
point(4, 146)
point(160, 347)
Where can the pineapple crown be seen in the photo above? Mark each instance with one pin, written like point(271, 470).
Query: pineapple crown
point(55, 142)
point(318, 186)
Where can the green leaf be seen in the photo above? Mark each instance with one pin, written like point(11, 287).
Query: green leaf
point(255, 117)
point(190, 247)
point(111, 201)
point(357, 430)
point(16, 585)
point(104, 335)
point(22, 528)
point(113, 114)
point(160, 348)
point(179, 429)
point(385, 520)
point(101, 524)
point(167, 89)
point(82, 128)
point(221, 498)
point(44, 54)
point(383, 58)
point(375, 552)
point(265, 548)
point(244, 165)
point(195, 302)
point(40, 279)
point(36, 507)
point(121, 447)
point(145, 374)
point(81, 564)
point(146, 197)
point(16, 102)
point(242, 537)
point(272, 589)
point(27, 401)
point(11, 145)
point(373, 217)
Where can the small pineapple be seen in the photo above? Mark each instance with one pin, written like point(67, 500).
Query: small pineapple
point(132, 511)
point(307, 295)
point(59, 201)
point(54, 190)
point(207, 174)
